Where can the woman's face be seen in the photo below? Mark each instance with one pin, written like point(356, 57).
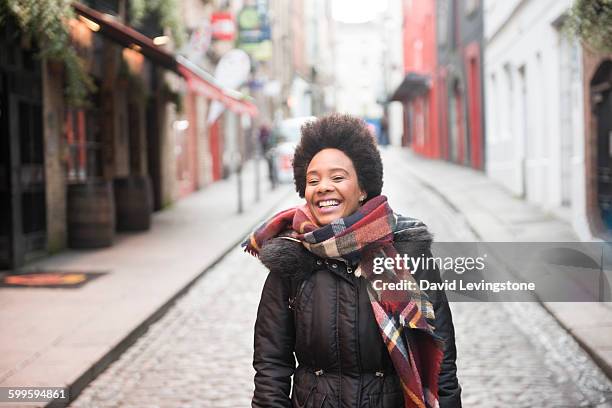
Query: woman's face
point(332, 188)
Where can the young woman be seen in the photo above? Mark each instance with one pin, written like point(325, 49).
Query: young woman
point(327, 299)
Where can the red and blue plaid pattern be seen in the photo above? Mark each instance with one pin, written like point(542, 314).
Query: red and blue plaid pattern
point(402, 316)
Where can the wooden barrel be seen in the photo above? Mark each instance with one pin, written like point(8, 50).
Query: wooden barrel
point(91, 214)
point(133, 203)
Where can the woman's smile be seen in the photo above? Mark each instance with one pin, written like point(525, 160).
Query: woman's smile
point(329, 207)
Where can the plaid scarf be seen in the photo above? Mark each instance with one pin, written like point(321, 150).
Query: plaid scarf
point(402, 315)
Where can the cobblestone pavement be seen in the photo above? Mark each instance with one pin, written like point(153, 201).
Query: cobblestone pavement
point(200, 353)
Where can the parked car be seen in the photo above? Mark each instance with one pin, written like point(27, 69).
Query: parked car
point(287, 135)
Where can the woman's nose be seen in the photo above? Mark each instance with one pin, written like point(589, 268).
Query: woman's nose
point(324, 186)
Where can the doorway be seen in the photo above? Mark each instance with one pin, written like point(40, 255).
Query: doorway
point(23, 229)
point(601, 97)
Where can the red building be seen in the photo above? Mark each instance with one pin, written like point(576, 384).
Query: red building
point(459, 49)
point(418, 91)
point(442, 90)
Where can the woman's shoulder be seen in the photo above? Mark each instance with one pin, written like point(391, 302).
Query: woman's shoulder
point(409, 229)
point(286, 257)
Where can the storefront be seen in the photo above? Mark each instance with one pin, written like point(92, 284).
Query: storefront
point(74, 176)
point(23, 227)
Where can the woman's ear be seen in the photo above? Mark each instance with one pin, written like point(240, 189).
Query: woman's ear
point(362, 196)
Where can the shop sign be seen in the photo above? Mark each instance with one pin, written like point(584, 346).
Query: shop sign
point(223, 27)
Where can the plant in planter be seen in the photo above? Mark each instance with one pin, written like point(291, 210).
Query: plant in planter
point(591, 20)
point(44, 22)
point(168, 12)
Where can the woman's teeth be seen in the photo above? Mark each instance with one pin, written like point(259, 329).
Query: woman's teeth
point(328, 203)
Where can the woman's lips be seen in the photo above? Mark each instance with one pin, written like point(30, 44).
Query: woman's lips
point(328, 209)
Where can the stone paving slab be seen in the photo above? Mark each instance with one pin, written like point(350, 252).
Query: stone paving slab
point(496, 215)
point(63, 337)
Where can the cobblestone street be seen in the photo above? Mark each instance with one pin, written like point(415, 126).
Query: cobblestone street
point(200, 353)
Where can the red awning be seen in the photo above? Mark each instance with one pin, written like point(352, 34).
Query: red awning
point(197, 79)
point(202, 83)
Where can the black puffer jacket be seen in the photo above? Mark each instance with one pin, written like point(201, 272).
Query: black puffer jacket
point(324, 316)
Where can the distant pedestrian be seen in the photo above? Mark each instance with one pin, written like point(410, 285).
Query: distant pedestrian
point(356, 345)
point(384, 131)
point(267, 143)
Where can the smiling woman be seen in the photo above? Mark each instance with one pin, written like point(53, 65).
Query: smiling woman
point(356, 345)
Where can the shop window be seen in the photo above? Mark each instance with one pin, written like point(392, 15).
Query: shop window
point(84, 156)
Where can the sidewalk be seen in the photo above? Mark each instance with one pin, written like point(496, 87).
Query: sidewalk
point(495, 215)
point(65, 337)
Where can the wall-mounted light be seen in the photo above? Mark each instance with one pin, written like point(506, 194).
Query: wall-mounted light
point(180, 124)
point(93, 26)
point(161, 40)
point(80, 33)
point(133, 59)
point(135, 47)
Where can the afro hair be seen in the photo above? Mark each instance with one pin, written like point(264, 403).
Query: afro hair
point(348, 134)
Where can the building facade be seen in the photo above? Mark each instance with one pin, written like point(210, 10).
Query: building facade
point(418, 91)
point(65, 170)
point(459, 78)
point(534, 98)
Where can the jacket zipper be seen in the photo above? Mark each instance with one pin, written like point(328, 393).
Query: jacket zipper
point(349, 270)
point(338, 345)
point(293, 300)
point(358, 345)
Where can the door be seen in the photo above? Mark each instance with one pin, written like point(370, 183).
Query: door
point(28, 179)
point(6, 221)
point(22, 179)
point(602, 109)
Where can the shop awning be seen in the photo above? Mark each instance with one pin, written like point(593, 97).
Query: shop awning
point(412, 86)
point(202, 82)
point(198, 80)
point(127, 36)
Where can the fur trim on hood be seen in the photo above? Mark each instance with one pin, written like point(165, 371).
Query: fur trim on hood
point(286, 257)
point(410, 229)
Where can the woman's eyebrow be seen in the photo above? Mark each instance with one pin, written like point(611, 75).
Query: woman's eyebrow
point(342, 169)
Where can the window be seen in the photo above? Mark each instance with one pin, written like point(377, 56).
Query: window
point(84, 156)
point(443, 22)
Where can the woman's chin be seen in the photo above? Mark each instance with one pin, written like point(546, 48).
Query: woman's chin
point(326, 216)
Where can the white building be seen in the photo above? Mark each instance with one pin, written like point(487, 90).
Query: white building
point(302, 61)
point(534, 106)
point(368, 65)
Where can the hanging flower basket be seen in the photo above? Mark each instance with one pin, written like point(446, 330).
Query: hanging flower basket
point(591, 20)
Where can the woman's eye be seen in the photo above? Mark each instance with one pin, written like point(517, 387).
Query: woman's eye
point(338, 178)
point(312, 182)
